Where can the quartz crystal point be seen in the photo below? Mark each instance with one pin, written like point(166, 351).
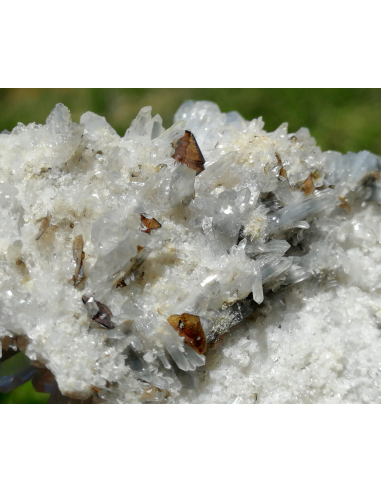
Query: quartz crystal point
point(210, 227)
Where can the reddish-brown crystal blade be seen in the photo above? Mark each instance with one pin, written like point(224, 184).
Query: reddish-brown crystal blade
point(189, 326)
point(149, 224)
point(308, 186)
point(344, 204)
point(45, 224)
point(103, 316)
point(188, 152)
point(282, 171)
point(77, 254)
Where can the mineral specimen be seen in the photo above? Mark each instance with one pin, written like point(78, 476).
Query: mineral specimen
point(260, 237)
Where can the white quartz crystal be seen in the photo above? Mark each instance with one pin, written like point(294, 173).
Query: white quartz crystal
point(285, 281)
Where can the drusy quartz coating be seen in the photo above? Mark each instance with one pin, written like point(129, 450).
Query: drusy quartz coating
point(209, 262)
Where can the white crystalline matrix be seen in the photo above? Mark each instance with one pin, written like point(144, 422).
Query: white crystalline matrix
point(209, 262)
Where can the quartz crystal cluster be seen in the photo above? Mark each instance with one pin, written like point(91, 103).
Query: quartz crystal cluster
point(209, 262)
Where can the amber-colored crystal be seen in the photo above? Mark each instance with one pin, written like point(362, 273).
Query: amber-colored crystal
point(189, 326)
point(188, 152)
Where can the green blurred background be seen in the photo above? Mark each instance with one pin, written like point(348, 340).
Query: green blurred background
point(339, 119)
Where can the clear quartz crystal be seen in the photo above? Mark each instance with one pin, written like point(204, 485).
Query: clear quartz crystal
point(257, 287)
point(240, 243)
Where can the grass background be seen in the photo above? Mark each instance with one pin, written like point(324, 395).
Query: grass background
point(339, 119)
